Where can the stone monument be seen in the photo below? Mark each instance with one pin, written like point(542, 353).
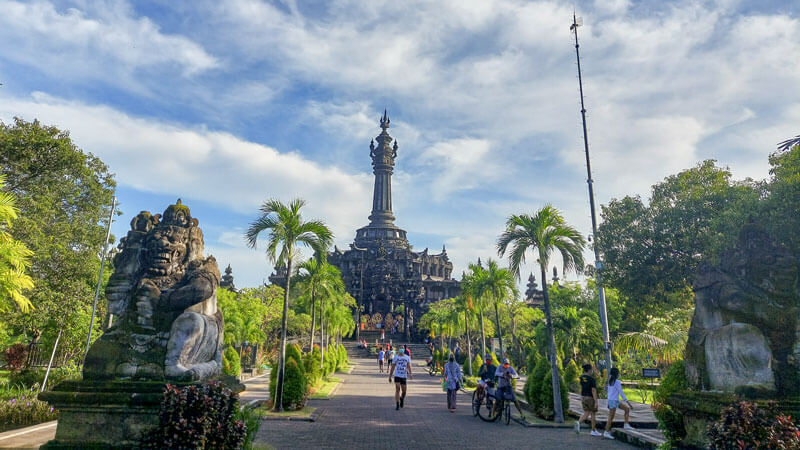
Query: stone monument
point(744, 340)
point(165, 327)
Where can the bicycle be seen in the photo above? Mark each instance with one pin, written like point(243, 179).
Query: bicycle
point(492, 413)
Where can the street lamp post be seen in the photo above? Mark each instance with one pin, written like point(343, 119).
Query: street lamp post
point(601, 293)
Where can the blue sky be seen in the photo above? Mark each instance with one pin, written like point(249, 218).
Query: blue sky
point(226, 104)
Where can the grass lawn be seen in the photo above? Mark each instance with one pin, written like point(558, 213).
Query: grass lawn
point(305, 412)
point(325, 389)
point(639, 395)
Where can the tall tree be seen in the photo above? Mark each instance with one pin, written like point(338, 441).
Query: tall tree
point(652, 250)
point(497, 285)
point(544, 233)
point(63, 195)
point(464, 305)
point(287, 229)
point(471, 287)
point(317, 279)
point(14, 257)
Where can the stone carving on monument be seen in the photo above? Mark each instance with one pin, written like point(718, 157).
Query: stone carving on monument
point(744, 340)
point(165, 327)
point(745, 326)
point(163, 296)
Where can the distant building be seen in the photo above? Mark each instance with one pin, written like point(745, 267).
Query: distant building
point(393, 273)
point(533, 296)
point(226, 281)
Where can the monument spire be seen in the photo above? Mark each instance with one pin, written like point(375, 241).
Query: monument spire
point(383, 156)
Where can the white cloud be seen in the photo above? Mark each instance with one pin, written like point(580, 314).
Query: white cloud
point(215, 167)
point(99, 44)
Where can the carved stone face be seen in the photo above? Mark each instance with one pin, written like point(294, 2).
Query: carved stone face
point(165, 250)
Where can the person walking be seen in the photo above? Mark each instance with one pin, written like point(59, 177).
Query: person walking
point(588, 400)
point(452, 379)
point(381, 354)
point(383, 335)
point(614, 393)
point(390, 354)
point(407, 351)
point(401, 370)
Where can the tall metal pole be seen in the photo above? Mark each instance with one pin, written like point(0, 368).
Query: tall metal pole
point(598, 263)
point(100, 276)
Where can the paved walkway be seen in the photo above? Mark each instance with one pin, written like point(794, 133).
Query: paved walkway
point(363, 415)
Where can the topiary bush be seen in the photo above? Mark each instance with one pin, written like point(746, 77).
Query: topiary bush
point(313, 371)
point(670, 422)
point(329, 363)
point(293, 351)
point(341, 357)
point(198, 417)
point(295, 386)
point(231, 363)
point(748, 425)
point(571, 374)
point(545, 409)
point(533, 385)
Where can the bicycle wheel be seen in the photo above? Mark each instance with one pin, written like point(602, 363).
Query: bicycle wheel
point(507, 412)
point(477, 401)
point(489, 414)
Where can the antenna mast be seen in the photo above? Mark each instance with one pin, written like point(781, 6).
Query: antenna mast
point(598, 263)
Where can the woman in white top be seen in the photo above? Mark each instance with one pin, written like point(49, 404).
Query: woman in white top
point(614, 393)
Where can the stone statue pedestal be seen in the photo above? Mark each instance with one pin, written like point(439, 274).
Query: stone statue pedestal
point(108, 414)
point(700, 409)
point(113, 414)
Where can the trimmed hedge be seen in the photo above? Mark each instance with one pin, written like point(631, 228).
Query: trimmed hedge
point(231, 362)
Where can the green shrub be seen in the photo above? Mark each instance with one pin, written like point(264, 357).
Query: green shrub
point(477, 362)
point(27, 378)
point(341, 357)
point(495, 361)
point(533, 358)
point(746, 425)
point(670, 422)
point(329, 363)
point(533, 387)
point(25, 409)
point(313, 371)
point(198, 417)
point(250, 416)
point(571, 374)
point(293, 351)
point(295, 386)
point(545, 409)
point(231, 363)
point(471, 382)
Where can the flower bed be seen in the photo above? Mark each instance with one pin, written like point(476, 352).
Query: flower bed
point(24, 410)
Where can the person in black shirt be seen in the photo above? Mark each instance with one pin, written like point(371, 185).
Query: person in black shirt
point(588, 399)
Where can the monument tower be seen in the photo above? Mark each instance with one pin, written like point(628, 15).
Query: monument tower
point(393, 285)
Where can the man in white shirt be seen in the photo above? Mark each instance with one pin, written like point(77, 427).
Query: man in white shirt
point(401, 370)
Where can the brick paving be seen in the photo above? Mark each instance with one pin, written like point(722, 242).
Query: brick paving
point(362, 415)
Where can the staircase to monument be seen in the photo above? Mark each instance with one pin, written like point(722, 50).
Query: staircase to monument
point(418, 351)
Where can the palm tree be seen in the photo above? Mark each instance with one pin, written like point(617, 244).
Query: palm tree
point(471, 287)
point(318, 278)
point(286, 230)
point(663, 337)
point(497, 285)
point(14, 256)
point(464, 304)
point(544, 233)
